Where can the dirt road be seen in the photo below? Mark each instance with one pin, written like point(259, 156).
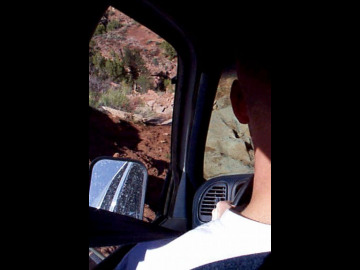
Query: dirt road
point(110, 136)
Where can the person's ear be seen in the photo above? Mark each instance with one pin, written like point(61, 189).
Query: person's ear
point(238, 102)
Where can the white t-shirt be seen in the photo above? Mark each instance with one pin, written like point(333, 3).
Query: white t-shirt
point(230, 236)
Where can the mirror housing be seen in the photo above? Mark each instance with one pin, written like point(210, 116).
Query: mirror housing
point(118, 185)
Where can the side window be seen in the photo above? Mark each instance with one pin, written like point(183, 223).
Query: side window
point(229, 149)
point(131, 95)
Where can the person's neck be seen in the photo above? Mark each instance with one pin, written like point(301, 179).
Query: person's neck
point(259, 208)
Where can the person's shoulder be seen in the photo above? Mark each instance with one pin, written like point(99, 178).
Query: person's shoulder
point(139, 252)
point(231, 217)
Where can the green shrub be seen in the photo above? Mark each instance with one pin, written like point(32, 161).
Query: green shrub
point(135, 63)
point(97, 65)
point(125, 88)
point(97, 87)
point(100, 29)
point(113, 25)
point(115, 69)
point(107, 69)
point(115, 98)
point(144, 83)
point(168, 85)
point(92, 47)
point(93, 99)
point(169, 50)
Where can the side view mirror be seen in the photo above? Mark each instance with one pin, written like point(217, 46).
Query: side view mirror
point(118, 185)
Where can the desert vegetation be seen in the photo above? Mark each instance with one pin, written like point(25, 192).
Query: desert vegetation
point(127, 67)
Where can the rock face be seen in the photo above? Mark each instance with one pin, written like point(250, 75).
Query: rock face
point(229, 147)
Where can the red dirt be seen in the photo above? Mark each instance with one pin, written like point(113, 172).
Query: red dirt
point(110, 136)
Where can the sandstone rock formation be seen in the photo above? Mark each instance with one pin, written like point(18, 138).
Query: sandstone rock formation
point(229, 147)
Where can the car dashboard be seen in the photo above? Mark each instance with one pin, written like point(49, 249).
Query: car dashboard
point(234, 188)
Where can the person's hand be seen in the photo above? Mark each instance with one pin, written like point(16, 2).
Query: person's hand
point(221, 207)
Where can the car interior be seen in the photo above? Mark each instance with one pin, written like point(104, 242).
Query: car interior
point(205, 36)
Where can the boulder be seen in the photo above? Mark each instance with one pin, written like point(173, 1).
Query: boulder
point(228, 146)
point(124, 115)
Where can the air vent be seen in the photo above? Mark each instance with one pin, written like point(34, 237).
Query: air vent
point(211, 197)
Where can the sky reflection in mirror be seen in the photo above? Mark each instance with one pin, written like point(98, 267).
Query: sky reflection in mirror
point(101, 176)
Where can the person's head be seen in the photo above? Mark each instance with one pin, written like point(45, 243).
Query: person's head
point(251, 102)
